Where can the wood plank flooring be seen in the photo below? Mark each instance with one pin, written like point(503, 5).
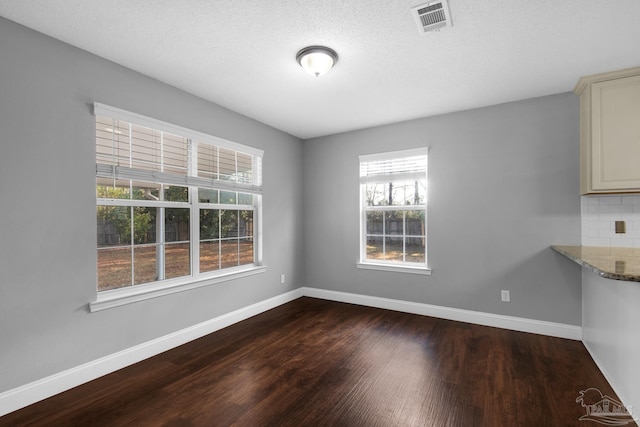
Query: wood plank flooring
point(319, 363)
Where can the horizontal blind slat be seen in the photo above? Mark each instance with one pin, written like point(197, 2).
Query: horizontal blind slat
point(120, 172)
point(393, 177)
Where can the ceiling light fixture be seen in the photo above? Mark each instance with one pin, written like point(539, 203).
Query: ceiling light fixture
point(317, 60)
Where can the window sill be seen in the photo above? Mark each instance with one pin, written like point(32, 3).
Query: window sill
point(129, 295)
point(394, 268)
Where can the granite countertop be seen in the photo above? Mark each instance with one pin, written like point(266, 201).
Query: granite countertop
point(608, 262)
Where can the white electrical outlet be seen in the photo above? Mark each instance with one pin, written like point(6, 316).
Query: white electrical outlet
point(282, 278)
point(506, 296)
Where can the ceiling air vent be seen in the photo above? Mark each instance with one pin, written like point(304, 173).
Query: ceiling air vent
point(432, 16)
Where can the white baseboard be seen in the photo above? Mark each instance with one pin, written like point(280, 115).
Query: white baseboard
point(521, 324)
point(28, 394)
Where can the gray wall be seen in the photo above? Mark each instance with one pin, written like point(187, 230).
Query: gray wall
point(503, 186)
point(47, 214)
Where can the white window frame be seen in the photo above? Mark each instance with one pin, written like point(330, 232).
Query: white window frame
point(383, 265)
point(129, 294)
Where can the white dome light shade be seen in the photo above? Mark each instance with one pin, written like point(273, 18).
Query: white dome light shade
point(317, 60)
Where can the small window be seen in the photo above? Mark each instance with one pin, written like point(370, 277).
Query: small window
point(393, 207)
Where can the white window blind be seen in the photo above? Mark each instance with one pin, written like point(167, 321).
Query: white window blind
point(131, 146)
point(399, 165)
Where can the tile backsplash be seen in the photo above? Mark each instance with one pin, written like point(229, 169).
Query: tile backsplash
point(599, 214)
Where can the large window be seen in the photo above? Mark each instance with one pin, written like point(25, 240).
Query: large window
point(393, 204)
point(173, 206)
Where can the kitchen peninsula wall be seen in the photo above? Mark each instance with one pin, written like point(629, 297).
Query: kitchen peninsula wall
point(599, 214)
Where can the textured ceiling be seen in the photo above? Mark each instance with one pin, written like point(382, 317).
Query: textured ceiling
point(241, 54)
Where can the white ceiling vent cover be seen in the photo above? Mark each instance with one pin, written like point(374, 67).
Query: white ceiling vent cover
point(432, 16)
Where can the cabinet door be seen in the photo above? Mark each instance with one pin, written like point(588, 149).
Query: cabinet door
point(615, 126)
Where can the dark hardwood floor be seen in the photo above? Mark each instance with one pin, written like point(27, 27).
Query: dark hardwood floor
point(319, 363)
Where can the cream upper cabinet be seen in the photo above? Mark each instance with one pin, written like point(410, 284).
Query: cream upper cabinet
point(610, 132)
